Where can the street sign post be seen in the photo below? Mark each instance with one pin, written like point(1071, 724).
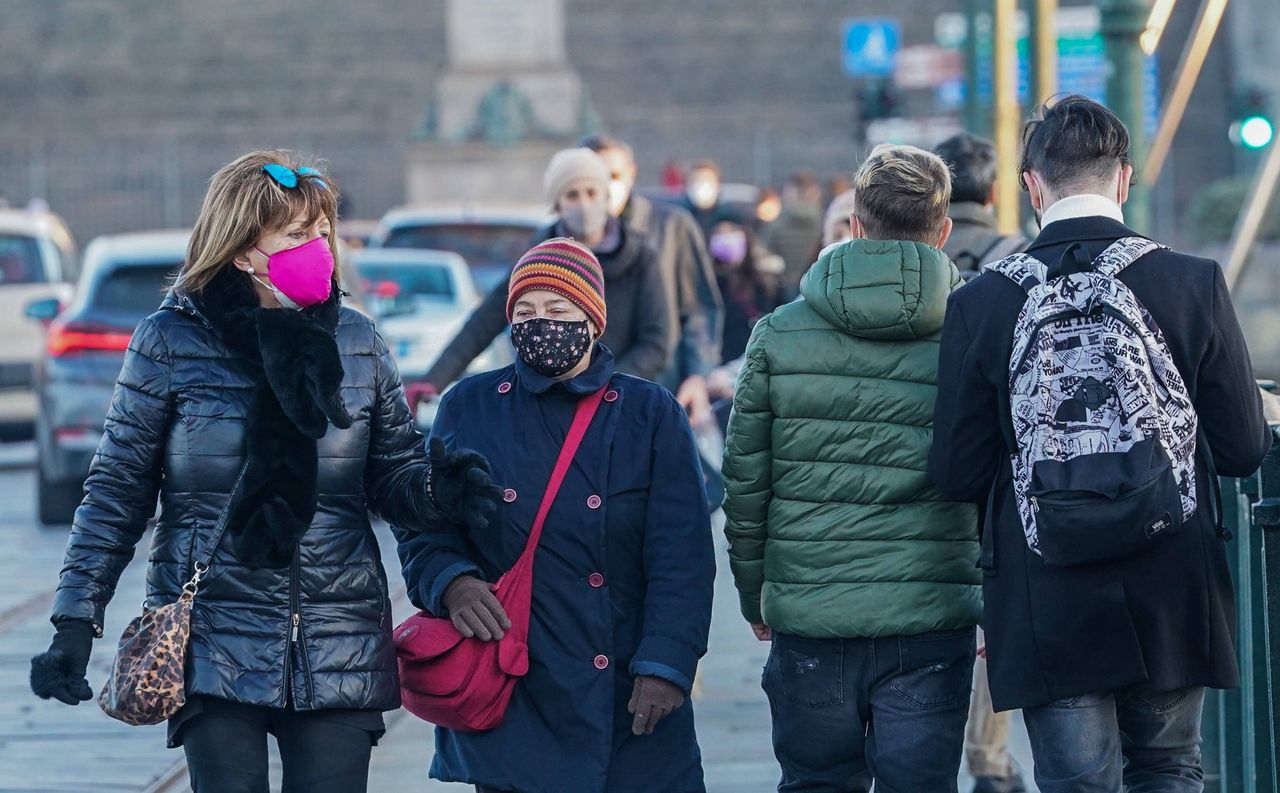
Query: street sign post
point(871, 46)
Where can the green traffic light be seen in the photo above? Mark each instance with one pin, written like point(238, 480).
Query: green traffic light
point(1256, 132)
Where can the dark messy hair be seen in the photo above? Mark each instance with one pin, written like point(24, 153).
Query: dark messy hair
point(1073, 142)
point(602, 141)
point(972, 161)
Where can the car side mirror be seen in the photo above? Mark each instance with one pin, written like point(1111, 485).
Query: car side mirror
point(44, 311)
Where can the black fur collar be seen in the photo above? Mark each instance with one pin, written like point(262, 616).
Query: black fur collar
point(299, 393)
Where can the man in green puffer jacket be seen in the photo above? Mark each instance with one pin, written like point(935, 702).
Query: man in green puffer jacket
point(844, 555)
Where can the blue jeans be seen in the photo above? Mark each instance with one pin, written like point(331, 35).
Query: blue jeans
point(849, 710)
point(1145, 741)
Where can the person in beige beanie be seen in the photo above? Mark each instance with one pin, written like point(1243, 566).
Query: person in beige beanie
point(577, 187)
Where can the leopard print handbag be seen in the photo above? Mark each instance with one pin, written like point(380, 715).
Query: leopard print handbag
point(148, 679)
point(147, 684)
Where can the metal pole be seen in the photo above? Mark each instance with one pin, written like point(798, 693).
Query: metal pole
point(1006, 120)
point(1123, 22)
point(1044, 37)
point(1184, 82)
point(1251, 215)
point(973, 115)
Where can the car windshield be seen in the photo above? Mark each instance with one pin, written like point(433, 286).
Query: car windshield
point(402, 288)
point(20, 260)
point(133, 288)
point(491, 249)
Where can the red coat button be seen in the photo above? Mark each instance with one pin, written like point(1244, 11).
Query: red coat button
point(596, 580)
point(602, 662)
point(594, 502)
point(505, 388)
point(611, 396)
point(508, 495)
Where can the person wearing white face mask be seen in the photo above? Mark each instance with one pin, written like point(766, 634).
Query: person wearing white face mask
point(697, 314)
point(702, 198)
point(577, 184)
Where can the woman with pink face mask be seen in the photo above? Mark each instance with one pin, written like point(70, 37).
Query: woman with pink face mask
point(270, 421)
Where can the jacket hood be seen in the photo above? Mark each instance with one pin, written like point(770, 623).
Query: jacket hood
point(881, 289)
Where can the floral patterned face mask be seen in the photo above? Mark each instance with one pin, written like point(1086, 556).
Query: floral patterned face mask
point(551, 347)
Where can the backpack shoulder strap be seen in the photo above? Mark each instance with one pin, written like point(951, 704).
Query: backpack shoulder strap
point(1122, 253)
point(1024, 270)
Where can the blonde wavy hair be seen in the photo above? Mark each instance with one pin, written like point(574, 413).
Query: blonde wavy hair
point(243, 203)
point(902, 193)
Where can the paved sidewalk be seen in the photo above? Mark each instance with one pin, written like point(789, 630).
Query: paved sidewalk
point(732, 716)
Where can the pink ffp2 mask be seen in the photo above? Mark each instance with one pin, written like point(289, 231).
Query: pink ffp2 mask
point(303, 274)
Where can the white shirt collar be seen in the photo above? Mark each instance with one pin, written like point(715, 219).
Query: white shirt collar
point(1084, 205)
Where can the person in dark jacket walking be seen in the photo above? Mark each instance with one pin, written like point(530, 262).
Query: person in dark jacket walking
point(577, 186)
point(860, 573)
point(623, 573)
point(254, 396)
point(696, 306)
point(975, 238)
point(1109, 661)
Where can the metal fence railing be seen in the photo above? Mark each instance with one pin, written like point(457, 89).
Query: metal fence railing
point(1241, 754)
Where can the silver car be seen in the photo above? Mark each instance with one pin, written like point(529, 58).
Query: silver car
point(37, 261)
point(122, 282)
point(490, 239)
point(420, 299)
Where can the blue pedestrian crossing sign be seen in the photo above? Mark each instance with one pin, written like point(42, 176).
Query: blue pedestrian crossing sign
point(871, 46)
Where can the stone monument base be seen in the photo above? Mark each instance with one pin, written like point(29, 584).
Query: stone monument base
point(477, 173)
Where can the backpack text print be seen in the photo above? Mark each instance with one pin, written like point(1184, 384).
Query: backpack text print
point(1106, 434)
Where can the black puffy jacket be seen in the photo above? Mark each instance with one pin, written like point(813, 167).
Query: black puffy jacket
point(177, 427)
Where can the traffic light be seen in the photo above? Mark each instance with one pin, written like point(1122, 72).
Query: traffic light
point(878, 99)
point(1252, 128)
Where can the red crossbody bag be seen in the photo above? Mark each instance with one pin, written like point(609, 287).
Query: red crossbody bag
point(465, 684)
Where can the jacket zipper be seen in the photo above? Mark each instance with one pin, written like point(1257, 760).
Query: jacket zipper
point(385, 603)
point(295, 637)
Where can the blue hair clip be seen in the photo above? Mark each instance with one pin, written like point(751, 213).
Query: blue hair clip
point(287, 177)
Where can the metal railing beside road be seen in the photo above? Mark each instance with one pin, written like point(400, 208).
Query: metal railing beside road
point(1241, 754)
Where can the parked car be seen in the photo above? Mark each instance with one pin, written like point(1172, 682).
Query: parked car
point(490, 239)
point(122, 282)
point(419, 300)
point(37, 261)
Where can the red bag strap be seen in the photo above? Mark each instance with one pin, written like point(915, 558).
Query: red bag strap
point(582, 417)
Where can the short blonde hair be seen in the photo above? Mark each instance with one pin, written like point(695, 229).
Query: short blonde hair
point(902, 193)
point(242, 203)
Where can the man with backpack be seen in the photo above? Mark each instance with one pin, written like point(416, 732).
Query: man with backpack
point(975, 238)
point(1089, 394)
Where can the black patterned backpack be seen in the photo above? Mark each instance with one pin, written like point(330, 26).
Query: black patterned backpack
point(1106, 433)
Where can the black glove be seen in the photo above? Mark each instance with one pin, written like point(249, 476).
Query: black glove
point(474, 609)
point(59, 672)
point(461, 487)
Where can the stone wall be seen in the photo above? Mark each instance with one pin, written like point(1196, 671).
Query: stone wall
point(118, 111)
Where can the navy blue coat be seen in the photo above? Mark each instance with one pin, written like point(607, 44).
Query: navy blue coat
point(623, 579)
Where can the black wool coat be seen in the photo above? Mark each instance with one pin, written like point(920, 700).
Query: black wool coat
point(283, 617)
point(1164, 617)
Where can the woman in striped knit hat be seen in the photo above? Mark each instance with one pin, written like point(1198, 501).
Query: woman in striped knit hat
point(623, 571)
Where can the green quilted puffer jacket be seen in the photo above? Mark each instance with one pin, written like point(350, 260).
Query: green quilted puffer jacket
point(834, 530)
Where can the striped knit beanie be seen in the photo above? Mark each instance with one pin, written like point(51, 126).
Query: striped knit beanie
point(565, 267)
